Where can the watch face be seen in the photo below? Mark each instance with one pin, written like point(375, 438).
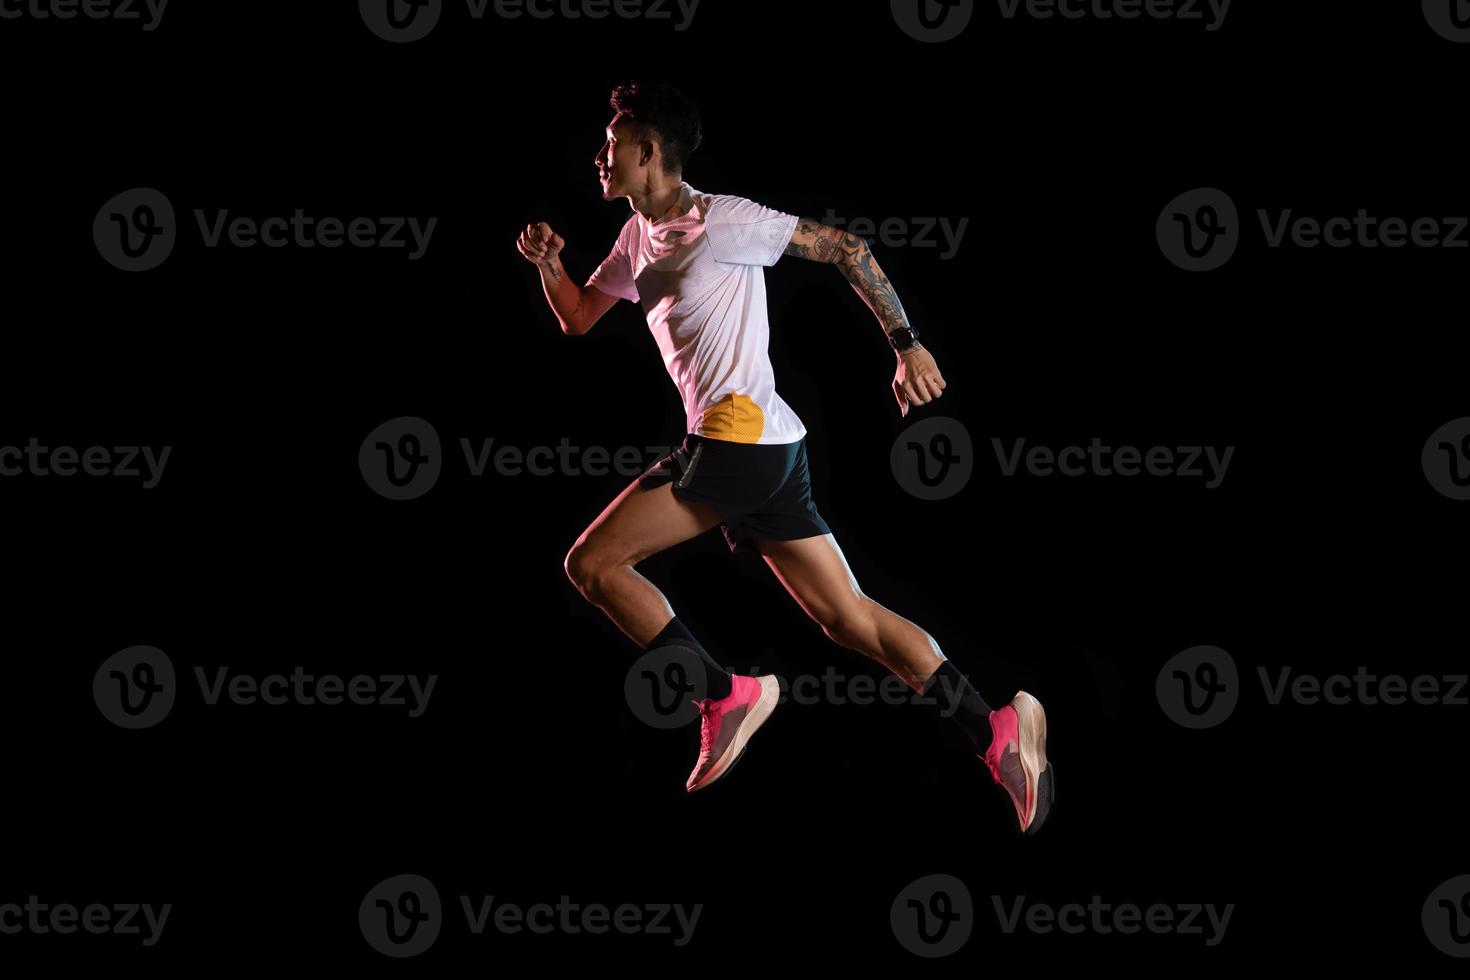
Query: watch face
point(902, 338)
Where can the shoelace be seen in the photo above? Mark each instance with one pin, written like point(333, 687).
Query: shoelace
point(994, 767)
point(707, 715)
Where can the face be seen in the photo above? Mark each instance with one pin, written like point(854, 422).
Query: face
point(618, 166)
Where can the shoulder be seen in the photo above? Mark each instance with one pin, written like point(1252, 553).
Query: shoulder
point(741, 213)
point(732, 207)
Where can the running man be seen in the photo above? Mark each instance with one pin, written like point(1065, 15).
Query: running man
point(694, 261)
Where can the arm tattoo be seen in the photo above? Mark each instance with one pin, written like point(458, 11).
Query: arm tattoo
point(554, 268)
point(850, 253)
point(862, 270)
point(816, 241)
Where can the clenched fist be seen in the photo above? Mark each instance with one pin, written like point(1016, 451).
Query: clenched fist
point(538, 243)
point(917, 380)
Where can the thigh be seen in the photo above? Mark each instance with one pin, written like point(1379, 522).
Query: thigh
point(816, 573)
point(640, 522)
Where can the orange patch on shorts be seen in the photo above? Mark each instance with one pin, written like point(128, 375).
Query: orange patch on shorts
point(734, 418)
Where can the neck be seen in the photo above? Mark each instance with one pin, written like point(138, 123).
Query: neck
point(660, 200)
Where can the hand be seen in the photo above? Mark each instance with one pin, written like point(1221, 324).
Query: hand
point(917, 379)
point(539, 244)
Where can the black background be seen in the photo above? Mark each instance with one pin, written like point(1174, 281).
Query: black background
point(528, 777)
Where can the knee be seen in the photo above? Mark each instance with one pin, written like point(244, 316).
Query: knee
point(587, 568)
point(849, 623)
point(580, 564)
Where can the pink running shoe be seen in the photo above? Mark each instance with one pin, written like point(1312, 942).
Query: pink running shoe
point(726, 725)
point(1017, 759)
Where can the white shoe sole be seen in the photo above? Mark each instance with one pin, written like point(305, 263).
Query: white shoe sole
point(1031, 743)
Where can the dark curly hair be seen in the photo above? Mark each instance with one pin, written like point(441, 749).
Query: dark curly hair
point(657, 110)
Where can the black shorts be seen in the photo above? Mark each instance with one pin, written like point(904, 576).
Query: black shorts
point(761, 491)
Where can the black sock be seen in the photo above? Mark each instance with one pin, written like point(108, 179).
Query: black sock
point(716, 681)
point(955, 699)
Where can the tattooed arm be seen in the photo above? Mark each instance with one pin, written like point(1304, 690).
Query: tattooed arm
point(577, 308)
point(850, 253)
point(917, 379)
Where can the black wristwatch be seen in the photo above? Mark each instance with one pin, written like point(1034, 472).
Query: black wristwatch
point(903, 338)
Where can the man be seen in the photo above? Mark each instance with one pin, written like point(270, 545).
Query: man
point(694, 261)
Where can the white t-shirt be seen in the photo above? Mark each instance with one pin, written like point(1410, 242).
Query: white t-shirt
point(699, 278)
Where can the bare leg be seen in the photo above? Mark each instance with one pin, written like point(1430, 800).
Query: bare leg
point(637, 523)
point(814, 571)
point(816, 574)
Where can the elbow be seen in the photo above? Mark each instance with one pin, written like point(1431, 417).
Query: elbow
point(851, 250)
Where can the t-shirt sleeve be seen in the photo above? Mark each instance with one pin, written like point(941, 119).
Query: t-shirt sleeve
point(747, 233)
point(615, 275)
